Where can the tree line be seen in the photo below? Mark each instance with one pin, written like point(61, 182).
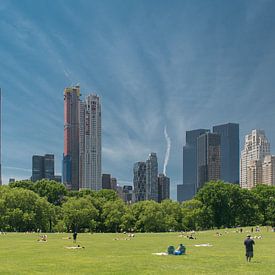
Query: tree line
point(47, 205)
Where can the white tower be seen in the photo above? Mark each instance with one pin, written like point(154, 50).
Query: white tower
point(255, 149)
point(90, 143)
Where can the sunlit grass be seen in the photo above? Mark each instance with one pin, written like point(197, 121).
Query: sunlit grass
point(118, 254)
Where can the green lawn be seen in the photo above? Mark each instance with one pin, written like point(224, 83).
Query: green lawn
point(22, 254)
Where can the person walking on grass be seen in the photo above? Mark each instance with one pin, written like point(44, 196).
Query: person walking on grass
point(248, 242)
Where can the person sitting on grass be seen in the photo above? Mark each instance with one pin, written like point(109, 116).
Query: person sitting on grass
point(180, 250)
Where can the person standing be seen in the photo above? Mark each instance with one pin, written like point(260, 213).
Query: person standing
point(74, 236)
point(248, 242)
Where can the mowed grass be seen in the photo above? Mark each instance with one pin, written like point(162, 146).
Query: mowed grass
point(23, 254)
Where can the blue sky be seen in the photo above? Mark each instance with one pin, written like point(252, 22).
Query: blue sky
point(180, 64)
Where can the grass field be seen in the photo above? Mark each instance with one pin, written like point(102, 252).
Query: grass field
point(23, 254)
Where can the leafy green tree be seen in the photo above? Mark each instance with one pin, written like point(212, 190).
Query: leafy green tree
point(112, 214)
point(265, 196)
point(149, 217)
point(196, 216)
point(52, 190)
point(23, 210)
point(80, 214)
point(172, 215)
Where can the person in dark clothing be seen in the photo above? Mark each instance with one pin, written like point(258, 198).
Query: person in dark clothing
point(249, 248)
point(74, 236)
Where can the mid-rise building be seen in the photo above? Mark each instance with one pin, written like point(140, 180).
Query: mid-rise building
point(106, 181)
point(152, 177)
point(254, 172)
point(140, 181)
point(71, 137)
point(90, 143)
point(230, 168)
point(208, 157)
point(113, 183)
point(256, 147)
point(187, 189)
point(127, 193)
point(268, 170)
point(163, 187)
point(42, 167)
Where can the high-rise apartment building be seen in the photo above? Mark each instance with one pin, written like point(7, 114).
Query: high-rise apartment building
point(256, 147)
point(268, 170)
point(140, 181)
point(71, 137)
point(208, 158)
point(152, 177)
point(90, 143)
point(43, 167)
point(186, 191)
point(230, 168)
point(163, 187)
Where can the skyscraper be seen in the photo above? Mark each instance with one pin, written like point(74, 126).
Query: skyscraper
point(42, 167)
point(256, 147)
point(37, 168)
point(186, 191)
point(163, 187)
point(140, 181)
point(71, 138)
point(90, 143)
point(152, 177)
point(209, 161)
point(49, 166)
point(230, 154)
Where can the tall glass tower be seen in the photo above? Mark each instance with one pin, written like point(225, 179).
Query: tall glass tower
point(230, 151)
point(71, 138)
point(152, 177)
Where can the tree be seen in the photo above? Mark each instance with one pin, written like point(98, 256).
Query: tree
point(80, 214)
point(112, 214)
point(196, 216)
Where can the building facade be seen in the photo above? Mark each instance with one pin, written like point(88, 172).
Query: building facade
point(90, 143)
point(208, 158)
point(152, 177)
point(268, 170)
point(256, 147)
point(140, 181)
point(230, 152)
point(71, 137)
point(106, 181)
point(187, 191)
point(163, 187)
point(42, 167)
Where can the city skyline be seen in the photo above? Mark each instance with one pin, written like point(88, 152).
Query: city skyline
point(180, 64)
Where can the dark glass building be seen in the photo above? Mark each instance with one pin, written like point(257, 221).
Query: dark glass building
point(186, 191)
point(42, 167)
point(106, 181)
point(230, 154)
point(140, 181)
point(208, 158)
point(49, 167)
point(163, 187)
